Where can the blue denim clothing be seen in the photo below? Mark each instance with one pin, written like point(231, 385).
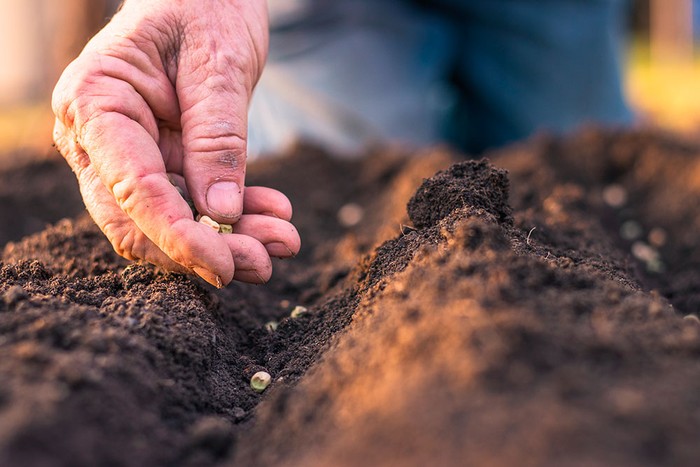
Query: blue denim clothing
point(476, 73)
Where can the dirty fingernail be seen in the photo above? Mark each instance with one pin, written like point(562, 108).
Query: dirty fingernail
point(278, 250)
point(225, 199)
point(208, 276)
point(249, 276)
point(262, 281)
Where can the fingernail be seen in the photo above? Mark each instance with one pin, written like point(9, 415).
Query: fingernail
point(262, 281)
point(208, 276)
point(278, 250)
point(224, 199)
point(249, 276)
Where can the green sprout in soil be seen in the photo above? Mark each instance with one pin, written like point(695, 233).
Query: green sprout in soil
point(271, 326)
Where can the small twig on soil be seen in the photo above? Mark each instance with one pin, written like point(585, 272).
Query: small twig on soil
point(406, 229)
point(527, 241)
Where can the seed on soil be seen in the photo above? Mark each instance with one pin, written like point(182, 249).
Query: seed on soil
point(649, 256)
point(656, 266)
point(350, 215)
point(298, 311)
point(260, 381)
point(630, 230)
point(644, 252)
point(657, 237)
point(615, 196)
point(271, 326)
point(206, 220)
point(225, 228)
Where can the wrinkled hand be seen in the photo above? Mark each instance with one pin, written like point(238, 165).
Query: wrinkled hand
point(160, 94)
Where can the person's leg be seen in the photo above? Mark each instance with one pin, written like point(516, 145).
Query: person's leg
point(346, 73)
point(525, 65)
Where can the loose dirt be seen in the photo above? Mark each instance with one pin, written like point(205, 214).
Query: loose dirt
point(538, 308)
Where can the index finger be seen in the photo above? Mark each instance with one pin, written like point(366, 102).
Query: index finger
point(129, 163)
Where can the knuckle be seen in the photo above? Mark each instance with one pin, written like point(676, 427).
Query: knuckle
point(132, 190)
point(86, 118)
point(123, 192)
point(122, 238)
point(91, 93)
point(75, 91)
point(212, 136)
point(174, 243)
point(218, 146)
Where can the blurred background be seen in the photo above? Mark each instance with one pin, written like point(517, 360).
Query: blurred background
point(38, 38)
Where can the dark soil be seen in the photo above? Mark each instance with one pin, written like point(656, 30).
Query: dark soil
point(35, 191)
point(506, 321)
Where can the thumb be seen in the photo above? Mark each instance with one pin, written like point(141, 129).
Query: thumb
point(214, 105)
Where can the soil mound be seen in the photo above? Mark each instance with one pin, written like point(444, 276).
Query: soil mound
point(535, 327)
point(473, 184)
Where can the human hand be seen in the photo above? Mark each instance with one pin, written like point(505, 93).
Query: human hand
point(164, 89)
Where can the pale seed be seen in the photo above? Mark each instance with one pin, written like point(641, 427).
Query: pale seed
point(260, 381)
point(298, 311)
point(206, 220)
